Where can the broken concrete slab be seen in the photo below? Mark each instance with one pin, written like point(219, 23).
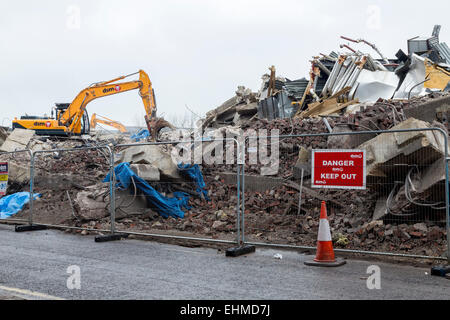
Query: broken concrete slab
point(408, 148)
point(129, 204)
point(147, 172)
point(228, 113)
point(428, 109)
point(153, 155)
point(347, 141)
point(176, 135)
point(17, 140)
point(3, 135)
point(212, 115)
point(111, 137)
point(245, 95)
point(433, 178)
point(92, 204)
point(247, 109)
point(37, 145)
point(380, 209)
point(18, 173)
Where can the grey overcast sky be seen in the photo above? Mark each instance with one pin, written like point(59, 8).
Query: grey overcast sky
point(196, 52)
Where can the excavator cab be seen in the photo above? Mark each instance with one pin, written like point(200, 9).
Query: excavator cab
point(60, 108)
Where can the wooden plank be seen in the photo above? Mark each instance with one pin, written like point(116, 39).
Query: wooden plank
point(311, 107)
point(338, 107)
point(316, 108)
point(327, 104)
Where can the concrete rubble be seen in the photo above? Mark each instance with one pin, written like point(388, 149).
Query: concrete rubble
point(92, 203)
point(401, 210)
point(153, 155)
point(17, 140)
point(419, 148)
point(147, 172)
point(3, 135)
point(235, 111)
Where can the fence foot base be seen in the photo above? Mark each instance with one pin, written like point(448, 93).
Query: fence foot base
point(31, 227)
point(337, 263)
point(111, 237)
point(440, 271)
point(239, 251)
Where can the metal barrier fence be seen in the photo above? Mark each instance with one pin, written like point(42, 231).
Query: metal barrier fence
point(409, 194)
point(403, 210)
point(205, 217)
point(60, 177)
point(19, 162)
point(97, 205)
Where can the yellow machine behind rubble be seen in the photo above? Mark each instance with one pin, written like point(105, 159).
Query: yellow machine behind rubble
point(95, 119)
point(72, 118)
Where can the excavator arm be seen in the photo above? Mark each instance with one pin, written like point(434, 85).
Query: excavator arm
point(106, 121)
point(72, 116)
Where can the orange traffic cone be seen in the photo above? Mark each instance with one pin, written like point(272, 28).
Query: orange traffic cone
point(325, 253)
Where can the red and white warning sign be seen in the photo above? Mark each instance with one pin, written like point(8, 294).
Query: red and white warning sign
point(3, 178)
point(338, 169)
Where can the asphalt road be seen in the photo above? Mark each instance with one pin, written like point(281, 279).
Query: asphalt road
point(34, 266)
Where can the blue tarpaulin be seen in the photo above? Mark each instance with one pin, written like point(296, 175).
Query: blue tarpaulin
point(194, 173)
point(142, 134)
point(13, 203)
point(164, 206)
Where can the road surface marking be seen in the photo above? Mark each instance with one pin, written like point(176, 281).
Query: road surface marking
point(31, 293)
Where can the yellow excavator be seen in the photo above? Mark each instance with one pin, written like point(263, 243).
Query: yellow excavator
point(72, 118)
point(96, 118)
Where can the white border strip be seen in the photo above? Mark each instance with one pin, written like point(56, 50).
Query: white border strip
point(26, 294)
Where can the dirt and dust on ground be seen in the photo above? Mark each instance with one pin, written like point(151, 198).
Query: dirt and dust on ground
point(402, 209)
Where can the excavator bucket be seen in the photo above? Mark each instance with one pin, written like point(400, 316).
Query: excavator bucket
point(155, 125)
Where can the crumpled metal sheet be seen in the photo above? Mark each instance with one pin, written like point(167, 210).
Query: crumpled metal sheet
point(444, 51)
point(276, 107)
point(373, 85)
point(413, 79)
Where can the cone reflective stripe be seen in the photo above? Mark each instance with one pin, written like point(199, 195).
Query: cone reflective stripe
point(324, 231)
point(325, 251)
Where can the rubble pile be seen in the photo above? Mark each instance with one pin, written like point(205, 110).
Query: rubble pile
point(354, 92)
point(402, 208)
point(236, 111)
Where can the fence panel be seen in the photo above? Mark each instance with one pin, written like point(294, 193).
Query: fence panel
point(18, 180)
point(173, 195)
point(402, 210)
point(70, 188)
